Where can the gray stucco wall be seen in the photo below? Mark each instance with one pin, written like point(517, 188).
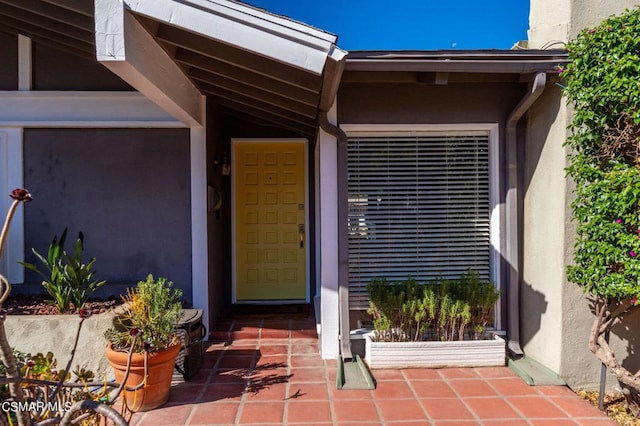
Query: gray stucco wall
point(128, 190)
point(423, 103)
point(556, 315)
point(218, 223)
point(55, 69)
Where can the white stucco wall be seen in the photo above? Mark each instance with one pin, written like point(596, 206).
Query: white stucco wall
point(549, 22)
point(544, 230)
point(556, 317)
point(327, 228)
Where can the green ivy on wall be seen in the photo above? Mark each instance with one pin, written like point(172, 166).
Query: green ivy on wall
point(603, 87)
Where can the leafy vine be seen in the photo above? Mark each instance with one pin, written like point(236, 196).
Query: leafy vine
point(603, 87)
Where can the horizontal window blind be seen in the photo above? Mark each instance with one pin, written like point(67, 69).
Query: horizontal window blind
point(418, 206)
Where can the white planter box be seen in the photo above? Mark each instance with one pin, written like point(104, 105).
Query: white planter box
point(466, 353)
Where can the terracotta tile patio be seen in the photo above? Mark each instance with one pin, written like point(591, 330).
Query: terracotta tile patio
point(266, 371)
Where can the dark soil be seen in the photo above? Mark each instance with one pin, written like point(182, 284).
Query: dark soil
point(20, 304)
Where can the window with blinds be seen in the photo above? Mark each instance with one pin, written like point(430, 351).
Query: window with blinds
point(418, 206)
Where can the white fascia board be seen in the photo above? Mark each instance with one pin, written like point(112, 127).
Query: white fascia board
point(332, 76)
point(11, 177)
point(338, 54)
point(199, 246)
point(129, 51)
point(264, 15)
point(244, 27)
point(109, 30)
point(43, 108)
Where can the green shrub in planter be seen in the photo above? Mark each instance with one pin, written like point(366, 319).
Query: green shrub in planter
point(401, 311)
point(442, 309)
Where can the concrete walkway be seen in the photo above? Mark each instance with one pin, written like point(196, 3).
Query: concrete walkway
point(267, 371)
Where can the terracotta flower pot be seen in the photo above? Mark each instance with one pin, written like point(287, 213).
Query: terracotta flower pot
point(155, 391)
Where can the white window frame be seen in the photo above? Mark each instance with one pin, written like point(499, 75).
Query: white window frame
point(11, 177)
point(495, 220)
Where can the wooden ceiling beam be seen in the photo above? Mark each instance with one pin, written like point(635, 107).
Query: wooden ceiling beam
point(239, 58)
point(263, 115)
point(141, 62)
point(83, 7)
point(257, 105)
point(248, 77)
point(45, 23)
point(47, 37)
point(253, 93)
point(38, 7)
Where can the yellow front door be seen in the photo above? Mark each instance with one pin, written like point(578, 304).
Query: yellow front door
point(269, 220)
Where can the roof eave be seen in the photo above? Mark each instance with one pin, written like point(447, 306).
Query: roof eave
point(500, 66)
point(490, 61)
point(245, 27)
point(286, 71)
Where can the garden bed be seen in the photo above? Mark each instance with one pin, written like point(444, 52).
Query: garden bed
point(30, 330)
point(37, 304)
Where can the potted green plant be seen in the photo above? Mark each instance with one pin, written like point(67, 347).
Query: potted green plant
point(143, 344)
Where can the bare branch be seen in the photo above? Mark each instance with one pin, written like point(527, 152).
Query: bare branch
point(96, 407)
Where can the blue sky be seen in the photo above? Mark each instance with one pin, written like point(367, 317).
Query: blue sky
point(411, 24)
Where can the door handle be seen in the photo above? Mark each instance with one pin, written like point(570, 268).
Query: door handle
point(301, 233)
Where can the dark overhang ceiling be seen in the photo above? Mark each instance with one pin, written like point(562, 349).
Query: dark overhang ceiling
point(243, 83)
point(64, 24)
